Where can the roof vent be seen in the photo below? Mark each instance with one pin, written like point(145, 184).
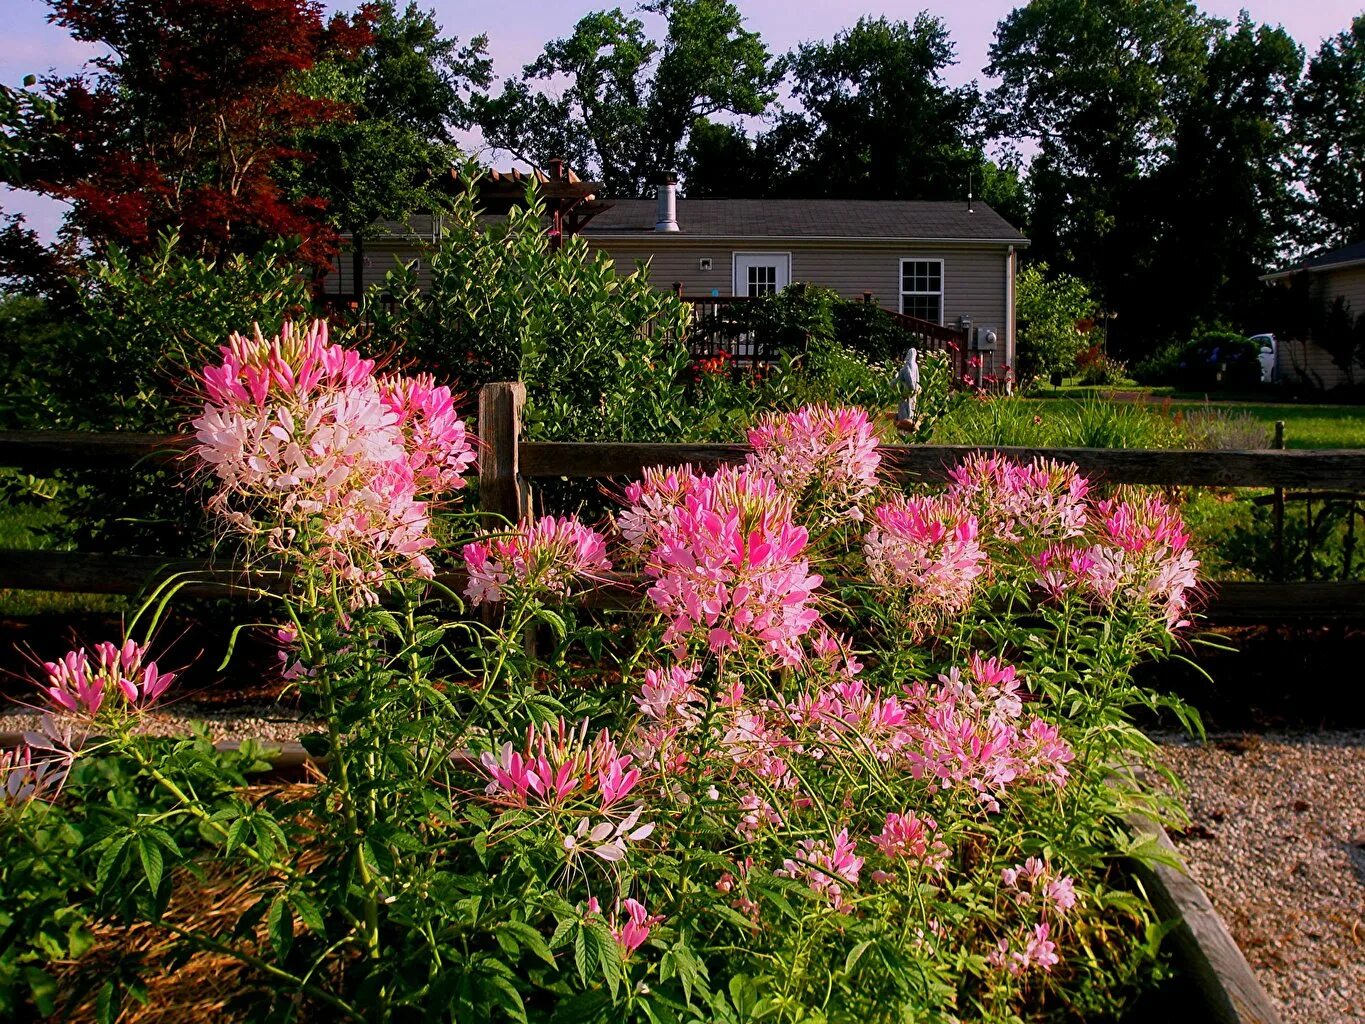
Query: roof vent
point(667, 219)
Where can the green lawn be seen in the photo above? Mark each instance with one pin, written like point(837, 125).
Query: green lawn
point(1305, 425)
point(21, 526)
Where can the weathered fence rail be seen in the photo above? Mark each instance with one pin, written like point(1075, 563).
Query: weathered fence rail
point(1341, 470)
point(509, 467)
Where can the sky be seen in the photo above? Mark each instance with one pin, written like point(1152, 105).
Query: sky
point(29, 45)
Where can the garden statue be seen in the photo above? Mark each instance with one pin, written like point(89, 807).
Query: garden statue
point(908, 378)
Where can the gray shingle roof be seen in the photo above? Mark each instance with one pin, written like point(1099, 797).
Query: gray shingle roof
point(1353, 253)
point(810, 218)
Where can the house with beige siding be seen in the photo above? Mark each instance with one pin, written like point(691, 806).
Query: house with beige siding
point(950, 263)
point(1331, 276)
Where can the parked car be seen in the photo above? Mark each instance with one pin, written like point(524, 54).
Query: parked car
point(1270, 352)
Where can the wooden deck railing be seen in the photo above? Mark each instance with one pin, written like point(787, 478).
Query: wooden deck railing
point(720, 325)
point(509, 468)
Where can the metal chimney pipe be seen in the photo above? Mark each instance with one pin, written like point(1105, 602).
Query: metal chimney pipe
point(667, 219)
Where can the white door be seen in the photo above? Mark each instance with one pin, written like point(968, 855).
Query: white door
point(762, 273)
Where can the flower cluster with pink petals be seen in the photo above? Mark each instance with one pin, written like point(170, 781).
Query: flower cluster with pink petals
point(1037, 500)
point(927, 549)
point(729, 566)
point(538, 557)
point(825, 457)
point(319, 459)
point(1137, 555)
point(827, 866)
point(559, 764)
point(80, 683)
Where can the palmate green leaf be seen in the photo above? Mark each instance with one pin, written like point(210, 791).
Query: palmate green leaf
point(855, 954)
point(279, 923)
point(607, 954)
point(307, 911)
point(584, 953)
point(505, 995)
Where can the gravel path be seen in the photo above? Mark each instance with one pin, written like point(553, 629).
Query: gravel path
point(1277, 840)
point(269, 722)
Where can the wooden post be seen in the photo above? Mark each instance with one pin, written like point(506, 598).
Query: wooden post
point(1278, 513)
point(501, 494)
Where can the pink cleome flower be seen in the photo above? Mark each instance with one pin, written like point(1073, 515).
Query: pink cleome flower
point(77, 686)
point(437, 442)
point(825, 866)
point(1038, 500)
point(559, 764)
point(1137, 556)
point(632, 933)
point(544, 556)
point(928, 548)
point(319, 460)
point(910, 837)
point(821, 455)
point(730, 569)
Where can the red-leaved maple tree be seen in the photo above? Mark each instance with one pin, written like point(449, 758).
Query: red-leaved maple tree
point(184, 120)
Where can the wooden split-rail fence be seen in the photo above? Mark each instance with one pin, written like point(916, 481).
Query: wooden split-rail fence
point(509, 468)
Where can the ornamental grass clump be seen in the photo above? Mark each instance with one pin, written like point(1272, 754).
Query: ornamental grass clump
point(860, 753)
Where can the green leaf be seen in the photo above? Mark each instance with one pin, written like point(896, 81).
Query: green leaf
point(153, 864)
point(308, 912)
point(279, 924)
point(112, 855)
point(528, 937)
point(43, 988)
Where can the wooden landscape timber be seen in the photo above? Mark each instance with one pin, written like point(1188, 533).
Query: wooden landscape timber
point(1212, 960)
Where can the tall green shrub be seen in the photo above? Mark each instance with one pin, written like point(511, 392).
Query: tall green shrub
point(601, 351)
point(1051, 311)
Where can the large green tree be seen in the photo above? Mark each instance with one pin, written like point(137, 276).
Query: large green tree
point(411, 90)
point(1331, 119)
point(874, 116)
point(629, 102)
point(1113, 95)
point(870, 116)
point(1224, 202)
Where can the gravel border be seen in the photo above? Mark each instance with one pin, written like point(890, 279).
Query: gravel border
point(269, 722)
point(1277, 840)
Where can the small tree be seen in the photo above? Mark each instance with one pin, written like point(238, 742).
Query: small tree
point(1052, 313)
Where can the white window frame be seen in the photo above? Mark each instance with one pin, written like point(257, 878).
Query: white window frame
point(942, 292)
point(734, 267)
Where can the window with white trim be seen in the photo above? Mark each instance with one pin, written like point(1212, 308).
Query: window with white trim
point(922, 289)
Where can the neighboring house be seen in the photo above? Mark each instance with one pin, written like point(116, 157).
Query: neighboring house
point(951, 263)
point(1327, 276)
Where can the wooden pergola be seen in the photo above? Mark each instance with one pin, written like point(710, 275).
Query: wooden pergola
point(570, 201)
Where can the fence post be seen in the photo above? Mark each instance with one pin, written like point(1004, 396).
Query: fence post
point(1278, 512)
point(501, 495)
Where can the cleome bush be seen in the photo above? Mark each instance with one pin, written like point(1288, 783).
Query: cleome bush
point(863, 753)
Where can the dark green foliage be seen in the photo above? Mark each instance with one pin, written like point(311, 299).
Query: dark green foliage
point(630, 101)
point(1163, 175)
point(1218, 361)
point(410, 89)
point(1331, 128)
point(600, 351)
